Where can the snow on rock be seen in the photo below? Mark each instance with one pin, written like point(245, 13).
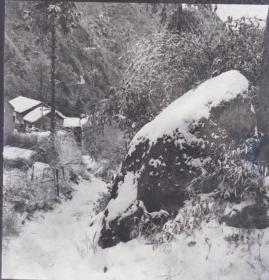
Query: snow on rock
point(178, 149)
point(127, 194)
point(193, 106)
point(15, 153)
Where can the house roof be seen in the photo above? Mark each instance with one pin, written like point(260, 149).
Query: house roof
point(60, 114)
point(36, 114)
point(22, 104)
point(74, 122)
point(39, 113)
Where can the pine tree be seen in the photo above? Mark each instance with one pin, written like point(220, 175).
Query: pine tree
point(50, 17)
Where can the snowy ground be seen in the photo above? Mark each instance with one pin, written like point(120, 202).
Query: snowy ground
point(15, 153)
point(59, 245)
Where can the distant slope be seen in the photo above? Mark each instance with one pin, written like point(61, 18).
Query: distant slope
point(95, 53)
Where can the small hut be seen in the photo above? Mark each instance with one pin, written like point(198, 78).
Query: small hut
point(22, 106)
point(76, 126)
point(40, 118)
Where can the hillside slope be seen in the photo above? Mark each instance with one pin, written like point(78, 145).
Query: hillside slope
point(90, 60)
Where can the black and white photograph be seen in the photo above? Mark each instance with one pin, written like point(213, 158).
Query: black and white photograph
point(135, 141)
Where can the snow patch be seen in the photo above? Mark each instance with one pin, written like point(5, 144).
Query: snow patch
point(89, 162)
point(40, 170)
point(127, 194)
point(82, 80)
point(15, 153)
point(60, 245)
point(72, 122)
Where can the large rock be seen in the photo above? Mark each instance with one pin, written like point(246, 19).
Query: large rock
point(248, 214)
point(176, 149)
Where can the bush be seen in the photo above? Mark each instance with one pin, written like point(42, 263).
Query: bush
point(105, 145)
point(22, 164)
point(64, 151)
point(173, 61)
point(23, 140)
point(240, 176)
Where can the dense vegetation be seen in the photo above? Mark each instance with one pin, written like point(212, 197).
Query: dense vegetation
point(96, 52)
point(174, 60)
point(134, 58)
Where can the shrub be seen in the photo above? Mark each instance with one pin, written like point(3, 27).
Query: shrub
point(23, 140)
point(173, 61)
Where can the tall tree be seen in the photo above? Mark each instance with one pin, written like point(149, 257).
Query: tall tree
point(49, 18)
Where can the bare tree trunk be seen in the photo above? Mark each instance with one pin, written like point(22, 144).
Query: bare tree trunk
point(53, 57)
point(41, 82)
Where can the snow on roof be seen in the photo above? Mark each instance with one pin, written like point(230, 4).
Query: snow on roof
point(83, 121)
point(39, 113)
point(36, 114)
point(60, 114)
point(71, 122)
point(22, 104)
point(192, 106)
point(74, 122)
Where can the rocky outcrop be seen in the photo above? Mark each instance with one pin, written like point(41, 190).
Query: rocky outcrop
point(178, 153)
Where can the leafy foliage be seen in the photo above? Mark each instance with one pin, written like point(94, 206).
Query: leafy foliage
point(239, 177)
point(62, 14)
point(173, 61)
point(97, 50)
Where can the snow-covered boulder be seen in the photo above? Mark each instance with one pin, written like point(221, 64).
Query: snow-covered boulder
point(177, 148)
point(18, 157)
